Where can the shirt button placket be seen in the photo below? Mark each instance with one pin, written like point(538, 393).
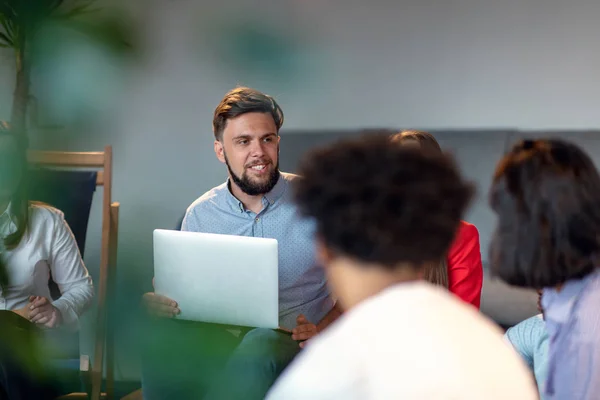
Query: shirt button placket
point(258, 227)
point(254, 226)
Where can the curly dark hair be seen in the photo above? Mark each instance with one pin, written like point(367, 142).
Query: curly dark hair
point(242, 100)
point(546, 194)
point(382, 203)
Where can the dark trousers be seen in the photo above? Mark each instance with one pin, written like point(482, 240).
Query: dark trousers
point(23, 374)
point(188, 360)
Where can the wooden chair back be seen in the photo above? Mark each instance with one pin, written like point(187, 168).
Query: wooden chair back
point(104, 339)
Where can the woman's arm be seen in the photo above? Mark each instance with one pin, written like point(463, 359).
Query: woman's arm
point(69, 273)
point(465, 271)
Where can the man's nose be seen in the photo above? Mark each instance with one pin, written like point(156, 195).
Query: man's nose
point(257, 149)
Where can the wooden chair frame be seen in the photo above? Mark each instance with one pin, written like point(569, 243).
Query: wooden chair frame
point(104, 340)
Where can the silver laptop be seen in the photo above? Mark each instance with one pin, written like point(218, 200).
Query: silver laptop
point(221, 279)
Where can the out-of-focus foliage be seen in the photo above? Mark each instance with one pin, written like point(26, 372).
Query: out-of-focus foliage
point(20, 340)
point(36, 31)
point(22, 21)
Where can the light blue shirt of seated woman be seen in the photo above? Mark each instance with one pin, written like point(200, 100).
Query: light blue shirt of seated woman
point(530, 339)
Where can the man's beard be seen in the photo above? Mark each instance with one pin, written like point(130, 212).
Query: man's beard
point(251, 188)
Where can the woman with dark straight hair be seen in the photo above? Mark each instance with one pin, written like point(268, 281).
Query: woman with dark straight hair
point(461, 271)
point(35, 244)
point(546, 194)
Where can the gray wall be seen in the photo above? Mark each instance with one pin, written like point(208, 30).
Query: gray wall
point(445, 64)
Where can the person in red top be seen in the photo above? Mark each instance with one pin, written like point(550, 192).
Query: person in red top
point(465, 271)
point(462, 271)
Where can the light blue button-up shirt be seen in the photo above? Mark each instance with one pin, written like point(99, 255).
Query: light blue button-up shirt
point(530, 340)
point(302, 283)
point(573, 323)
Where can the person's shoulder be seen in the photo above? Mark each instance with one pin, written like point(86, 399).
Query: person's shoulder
point(466, 238)
point(423, 303)
point(414, 292)
point(289, 180)
point(467, 230)
point(530, 328)
point(45, 213)
point(459, 333)
point(208, 199)
point(416, 303)
point(536, 321)
point(328, 367)
point(372, 344)
point(585, 310)
point(289, 177)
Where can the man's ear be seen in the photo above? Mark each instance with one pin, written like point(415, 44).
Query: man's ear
point(324, 255)
point(219, 151)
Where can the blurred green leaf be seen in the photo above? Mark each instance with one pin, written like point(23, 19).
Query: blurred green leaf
point(7, 27)
point(106, 30)
point(85, 7)
point(3, 276)
point(19, 338)
point(23, 22)
point(21, 341)
point(4, 38)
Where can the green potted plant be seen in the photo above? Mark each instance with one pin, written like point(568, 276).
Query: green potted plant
point(21, 22)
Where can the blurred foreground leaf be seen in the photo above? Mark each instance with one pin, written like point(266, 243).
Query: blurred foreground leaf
point(20, 341)
point(3, 277)
point(22, 20)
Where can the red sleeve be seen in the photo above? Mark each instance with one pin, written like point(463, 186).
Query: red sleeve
point(465, 271)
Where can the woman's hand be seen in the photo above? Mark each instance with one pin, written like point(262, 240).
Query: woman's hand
point(23, 312)
point(42, 312)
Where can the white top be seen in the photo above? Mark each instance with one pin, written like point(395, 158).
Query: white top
point(48, 246)
point(413, 341)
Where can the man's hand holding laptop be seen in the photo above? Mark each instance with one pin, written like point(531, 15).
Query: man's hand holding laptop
point(160, 306)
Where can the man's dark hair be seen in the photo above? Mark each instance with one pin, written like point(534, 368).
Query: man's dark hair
point(426, 140)
point(242, 100)
point(382, 203)
point(546, 194)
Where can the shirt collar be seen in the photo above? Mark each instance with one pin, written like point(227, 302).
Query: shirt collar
point(7, 223)
point(558, 305)
point(277, 190)
point(268, 198)
point(6, 212)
